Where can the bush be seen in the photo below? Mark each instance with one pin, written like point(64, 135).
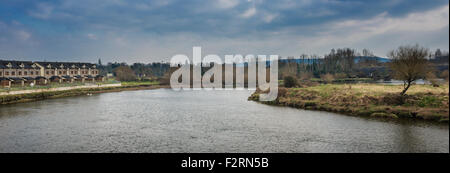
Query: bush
point(444, 75)
point(431, 77)
point(282, 92)
point(429, 101)
point(290, 81)
point(327, 78)
point(340, 76)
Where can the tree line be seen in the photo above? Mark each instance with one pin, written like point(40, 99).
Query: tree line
point(136, 71)
point(406, 63)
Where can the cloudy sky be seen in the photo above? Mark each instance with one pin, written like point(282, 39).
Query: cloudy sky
point(155, 30)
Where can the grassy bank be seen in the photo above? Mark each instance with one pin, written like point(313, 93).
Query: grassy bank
point(56, 85)
point(375, 100)
point(140, 83)
point(20, 98)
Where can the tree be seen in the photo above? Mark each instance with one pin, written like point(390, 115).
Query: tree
point(141, 69)
point(124, 73)
point(340, 60)
point(438, 53)
point(409, 63)
point(367, 52)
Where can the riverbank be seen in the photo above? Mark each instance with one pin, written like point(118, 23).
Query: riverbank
point(61, 88)
point(34, 95)
point(374, 100)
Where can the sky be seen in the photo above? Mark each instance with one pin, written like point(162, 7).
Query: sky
point(155, 30)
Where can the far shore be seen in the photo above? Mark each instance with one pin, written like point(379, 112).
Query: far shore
point(21, 96)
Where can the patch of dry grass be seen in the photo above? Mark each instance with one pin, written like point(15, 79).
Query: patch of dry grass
point(377, 89)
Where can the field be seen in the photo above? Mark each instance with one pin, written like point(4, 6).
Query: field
point(376, 100)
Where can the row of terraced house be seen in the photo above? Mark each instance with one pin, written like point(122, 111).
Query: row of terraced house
point(21, 73)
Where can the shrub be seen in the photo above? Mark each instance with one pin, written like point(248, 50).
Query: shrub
point(444, 75)
point(431, 77)
point(290, 81)
point(340, 76)
point(429, 101)
point(282, 92)
point(327, 78)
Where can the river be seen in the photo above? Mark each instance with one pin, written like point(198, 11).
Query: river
point(164, 120)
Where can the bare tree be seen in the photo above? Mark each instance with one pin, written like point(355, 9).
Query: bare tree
point(367, 52)
point(124, 73)
point(438, 53)
point(306, 76)
point(409, 63)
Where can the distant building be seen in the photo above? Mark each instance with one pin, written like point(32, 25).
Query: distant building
point(22, 72)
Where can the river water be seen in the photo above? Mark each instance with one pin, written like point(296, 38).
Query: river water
point(164, 120)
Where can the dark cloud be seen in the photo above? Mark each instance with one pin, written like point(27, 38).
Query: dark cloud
point(85, 29)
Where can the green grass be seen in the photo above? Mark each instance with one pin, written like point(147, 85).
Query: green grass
point(109, 81)
point(51, 85)
point(55, 85)
point(430, 101)
point(139, 83)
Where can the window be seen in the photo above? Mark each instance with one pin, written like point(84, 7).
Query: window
point(7, 73)
point(13, 73)
point(47, 72)
point(71, 72)
point(60, 72)
point(25, 73)
point(20, 73)
point(32, 72)
point(0, 73)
